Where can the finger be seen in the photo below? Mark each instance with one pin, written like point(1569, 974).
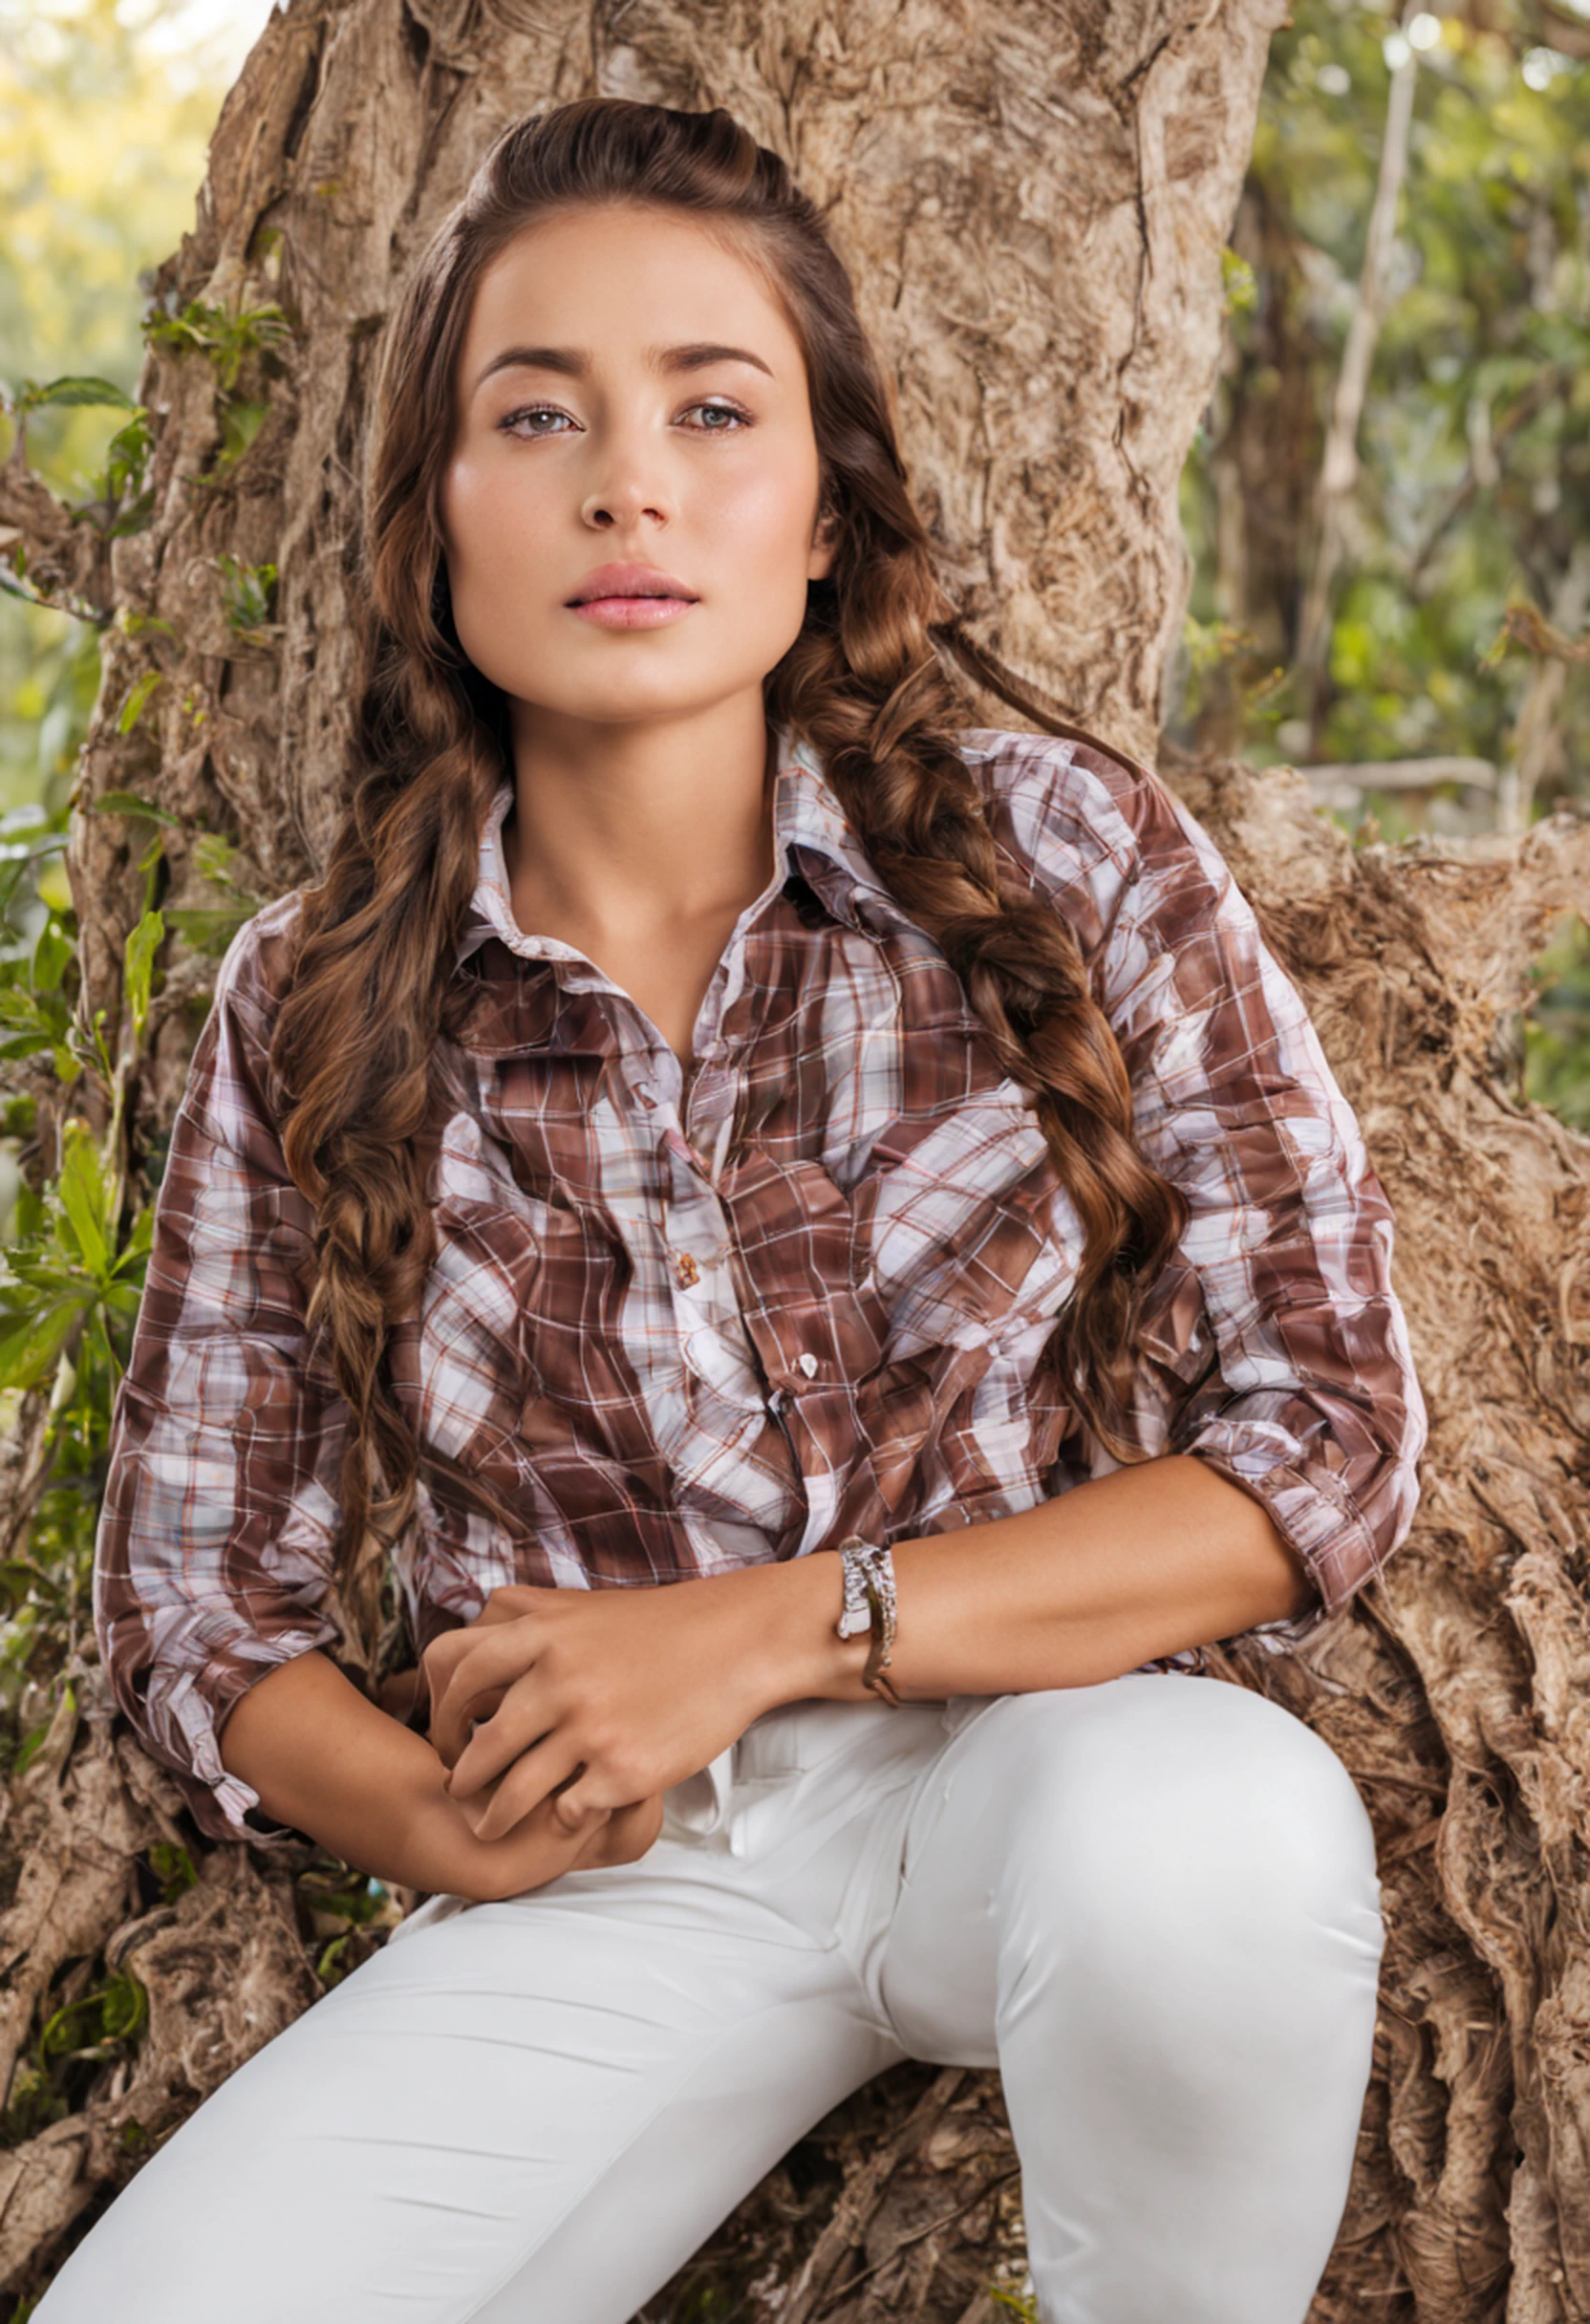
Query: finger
point(492, 1657)
point(578, 1795)
point(508, 1601)
point(628, 1833)
point(436, 1666)
point(501, 1728)
point(530, 1780)
point(484, 1706)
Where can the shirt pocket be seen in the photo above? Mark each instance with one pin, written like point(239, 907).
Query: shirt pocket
point(962, 1233)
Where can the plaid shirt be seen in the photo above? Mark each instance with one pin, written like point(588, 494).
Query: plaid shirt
point(685, 1326)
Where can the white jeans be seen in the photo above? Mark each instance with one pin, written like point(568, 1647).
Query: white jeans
point(1152, 1903)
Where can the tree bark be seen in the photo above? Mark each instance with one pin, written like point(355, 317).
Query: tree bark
point(1034, 203)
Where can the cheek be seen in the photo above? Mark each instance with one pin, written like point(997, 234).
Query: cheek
point(780, 500)
point(494, 557)
point(762, 521)
point(485, 516)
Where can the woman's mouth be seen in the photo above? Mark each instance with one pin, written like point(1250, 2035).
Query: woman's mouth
point(630, 597)
point(632, 613)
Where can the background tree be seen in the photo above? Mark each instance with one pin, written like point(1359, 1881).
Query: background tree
point(1037, 208)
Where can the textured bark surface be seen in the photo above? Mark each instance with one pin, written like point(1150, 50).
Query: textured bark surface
point(1033, 202)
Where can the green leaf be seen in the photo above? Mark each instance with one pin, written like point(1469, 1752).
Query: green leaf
point(142, 944)
point(128, 803)
point(132, 709)
point(82, 390)
point(29, 1355)
point(208, 932)
point(241, 423)
point(136, 1247)
point(52, 958)
point(213, 857)
point(85, 1196)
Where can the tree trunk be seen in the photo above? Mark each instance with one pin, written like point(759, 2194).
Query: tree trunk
point(1034, 203)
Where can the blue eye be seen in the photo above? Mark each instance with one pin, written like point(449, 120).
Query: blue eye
point(725, 411)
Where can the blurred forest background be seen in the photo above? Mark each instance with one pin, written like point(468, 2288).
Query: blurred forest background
point(1387, 509)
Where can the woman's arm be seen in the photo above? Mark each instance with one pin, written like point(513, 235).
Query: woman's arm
point(325, 1761)
point(640, 1687)
point(1082, 1589)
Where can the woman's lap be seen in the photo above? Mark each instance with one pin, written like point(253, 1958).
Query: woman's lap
point(542, 2106)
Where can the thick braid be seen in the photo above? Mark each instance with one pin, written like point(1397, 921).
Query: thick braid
point(353, 1052)
point(916, 808)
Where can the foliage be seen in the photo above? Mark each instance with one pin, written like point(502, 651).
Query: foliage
point(105, 110)
point(1473, 494)
point(1475, 434)
point(249, 593)
point(1020, 2304)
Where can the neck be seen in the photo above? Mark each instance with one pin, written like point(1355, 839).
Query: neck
point(630, 828)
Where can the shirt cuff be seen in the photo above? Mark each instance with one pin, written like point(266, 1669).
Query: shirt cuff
point(183, 1723)
point(1311, 1507)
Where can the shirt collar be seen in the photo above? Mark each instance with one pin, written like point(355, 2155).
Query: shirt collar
point(811, 833)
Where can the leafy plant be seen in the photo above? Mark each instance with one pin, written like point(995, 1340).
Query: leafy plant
point(80, 2036)
point(120, 502)
point(248, 593)
point(227, 338)
point(70, 1279)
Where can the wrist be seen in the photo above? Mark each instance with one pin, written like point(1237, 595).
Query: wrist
point(793, 1651)
point(439, 1851)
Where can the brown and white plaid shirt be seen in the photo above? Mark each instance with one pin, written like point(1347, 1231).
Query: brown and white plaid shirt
point(683, 1329)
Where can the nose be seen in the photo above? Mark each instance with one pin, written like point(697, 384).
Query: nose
point(628, 491)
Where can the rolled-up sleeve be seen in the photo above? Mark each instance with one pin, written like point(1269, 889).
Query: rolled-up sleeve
point(213, 1560)
point(1282, 1350)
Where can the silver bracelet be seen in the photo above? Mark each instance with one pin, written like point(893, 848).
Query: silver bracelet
point(869, 1604)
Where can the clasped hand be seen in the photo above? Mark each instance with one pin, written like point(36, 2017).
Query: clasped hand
point(591, 1701)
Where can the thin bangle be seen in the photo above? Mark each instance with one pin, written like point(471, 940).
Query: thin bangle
point(871, 1603)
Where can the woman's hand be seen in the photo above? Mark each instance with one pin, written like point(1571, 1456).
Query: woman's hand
point(597, 1699)
point(539, 1847)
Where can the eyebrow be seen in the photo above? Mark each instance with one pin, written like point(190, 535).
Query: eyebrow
point(572, 361)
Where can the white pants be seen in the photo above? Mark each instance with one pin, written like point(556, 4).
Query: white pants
point(1152, 1903)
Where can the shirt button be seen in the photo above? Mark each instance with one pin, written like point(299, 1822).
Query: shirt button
point(808, 1365)
point(685, 1270)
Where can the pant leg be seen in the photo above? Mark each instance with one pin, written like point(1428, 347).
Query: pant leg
point(1153, 1905)
point(455, 2107)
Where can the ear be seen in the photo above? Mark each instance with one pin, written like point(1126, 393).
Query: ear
point(825, 546)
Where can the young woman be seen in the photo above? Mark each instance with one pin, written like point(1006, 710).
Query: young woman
point(723, 1121)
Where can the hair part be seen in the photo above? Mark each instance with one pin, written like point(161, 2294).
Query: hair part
point(871, 684)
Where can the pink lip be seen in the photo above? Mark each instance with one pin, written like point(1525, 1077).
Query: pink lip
point(630, 597)
point(634, 612)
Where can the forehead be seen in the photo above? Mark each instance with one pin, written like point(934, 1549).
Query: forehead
point(618, 275)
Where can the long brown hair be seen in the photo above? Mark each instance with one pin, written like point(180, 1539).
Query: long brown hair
point(870, 683)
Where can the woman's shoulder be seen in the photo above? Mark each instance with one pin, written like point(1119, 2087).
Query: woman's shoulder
point(256, 968)
point(1072, 810)
point(230, 1083)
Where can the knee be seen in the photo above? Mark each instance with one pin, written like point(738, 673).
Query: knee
point(1167, 1822)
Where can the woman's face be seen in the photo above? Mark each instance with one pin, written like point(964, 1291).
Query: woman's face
point(629, 393)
